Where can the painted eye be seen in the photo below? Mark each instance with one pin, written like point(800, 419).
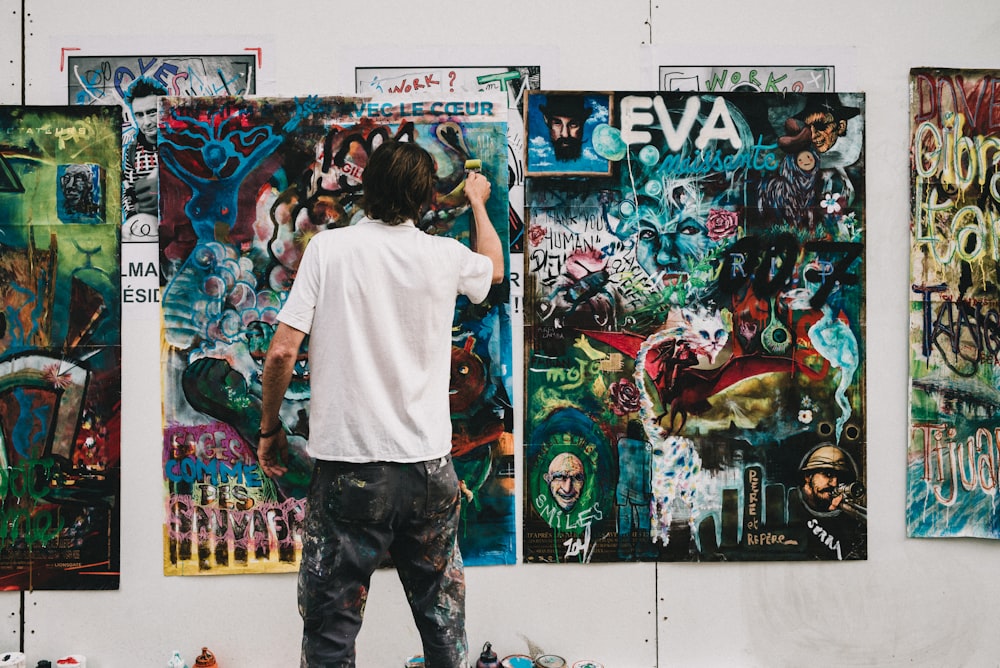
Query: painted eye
point(689, 228)
point(463, 369)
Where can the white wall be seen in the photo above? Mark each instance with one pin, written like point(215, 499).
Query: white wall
point(913, 603)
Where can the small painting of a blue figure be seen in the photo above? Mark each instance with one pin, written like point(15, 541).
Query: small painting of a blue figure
point(79, 193)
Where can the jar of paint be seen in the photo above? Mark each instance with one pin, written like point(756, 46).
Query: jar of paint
point(517, 661)
point(550, 661)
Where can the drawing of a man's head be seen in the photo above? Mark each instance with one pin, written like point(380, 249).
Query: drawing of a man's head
point(77, 185)
point(826, 117)
point(565, 115)
point(566, 478)
point(673, 230)
point(824, 469)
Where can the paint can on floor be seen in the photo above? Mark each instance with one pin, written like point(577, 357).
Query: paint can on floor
point(550, 661)
point(414, 662)
point(587, 664)
point(517, 661)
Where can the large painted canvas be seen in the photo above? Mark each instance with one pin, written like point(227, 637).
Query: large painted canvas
point(510, 81)
point(244, 185)
point(133, 82)
point(60, 348)
point(695, 359)
point(954, 442)
point(99, 80)
point(511, 84)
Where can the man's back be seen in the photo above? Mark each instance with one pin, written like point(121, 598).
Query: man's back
point(379, 354)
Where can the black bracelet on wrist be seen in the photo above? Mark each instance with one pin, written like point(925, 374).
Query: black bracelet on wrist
point(269, 434)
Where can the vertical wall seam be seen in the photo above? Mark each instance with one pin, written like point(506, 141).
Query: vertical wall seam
point(649, 22)
point(24, 86)
point(656, 613)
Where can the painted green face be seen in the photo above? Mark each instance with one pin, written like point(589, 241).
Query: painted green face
point(667, 245)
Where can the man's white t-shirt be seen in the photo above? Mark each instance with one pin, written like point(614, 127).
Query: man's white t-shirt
point(378, 302)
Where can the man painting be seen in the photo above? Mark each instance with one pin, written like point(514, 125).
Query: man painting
point(383, 481)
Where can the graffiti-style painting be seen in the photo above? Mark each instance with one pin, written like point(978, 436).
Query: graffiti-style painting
point(133, 83)
point(749, 79)
point(954, 442)
point(695, 356)
point(60, 348)
point(510, 81)
point(244, 185)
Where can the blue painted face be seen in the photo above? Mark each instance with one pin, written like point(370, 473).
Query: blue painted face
point(670, 242)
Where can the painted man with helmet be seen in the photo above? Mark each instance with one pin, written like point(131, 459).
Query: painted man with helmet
point(833, 501)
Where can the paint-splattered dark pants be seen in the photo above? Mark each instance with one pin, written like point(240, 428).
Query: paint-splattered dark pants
point(355, 515)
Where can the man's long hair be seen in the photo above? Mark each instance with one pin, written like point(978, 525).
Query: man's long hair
point(398, 182)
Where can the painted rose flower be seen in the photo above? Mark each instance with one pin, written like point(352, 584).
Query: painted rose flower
point(624, 397)
point(722, 223)
point(536, 233)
